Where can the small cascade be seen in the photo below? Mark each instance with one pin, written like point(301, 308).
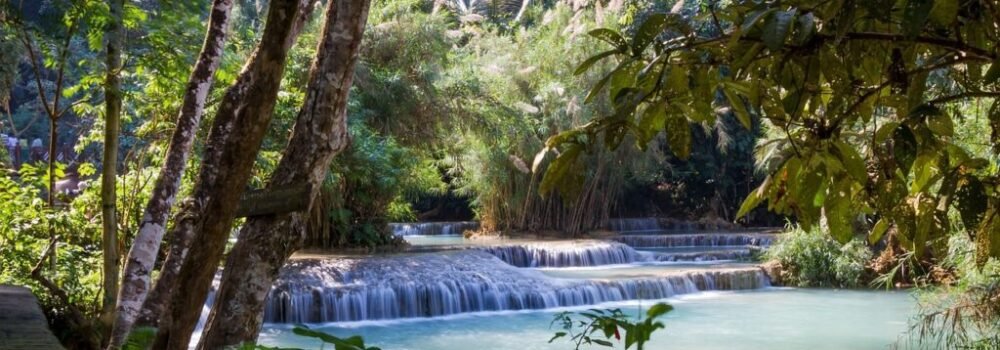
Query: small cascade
point(696, 240)
point(634, 224)
point(425, 285)
point(732, 254)
point(564, 254)
point(432, 228)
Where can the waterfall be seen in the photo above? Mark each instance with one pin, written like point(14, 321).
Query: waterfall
point(563, 254)
point(432, 228)
point(633, 224)
point(425, 285)
point(731, 254)
point(699, 239)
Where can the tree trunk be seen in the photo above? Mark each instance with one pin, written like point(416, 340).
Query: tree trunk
point(142, 255)
point(112, 116)
point(51, 196)
point(240, 123)
point(320, 133)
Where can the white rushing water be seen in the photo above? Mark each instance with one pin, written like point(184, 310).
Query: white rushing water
point(696, 240)
point(763, 319)
point(432, 228)
point(458, 293)
point(445, 283)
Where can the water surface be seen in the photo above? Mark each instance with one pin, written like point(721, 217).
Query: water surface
point(770, 318)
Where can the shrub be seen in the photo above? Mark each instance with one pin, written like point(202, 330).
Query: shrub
point(813, 259)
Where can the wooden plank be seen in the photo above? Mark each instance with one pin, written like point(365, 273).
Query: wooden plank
point(285, 199)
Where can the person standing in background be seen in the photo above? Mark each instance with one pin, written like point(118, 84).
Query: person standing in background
point(37, 151)
point(22, 145)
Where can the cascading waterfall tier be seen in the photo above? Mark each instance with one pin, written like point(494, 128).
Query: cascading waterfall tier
point(634, 224)
point(696, 240)
point(564, 253)
point(426, 285)
point(432, 228)
point(729, 254)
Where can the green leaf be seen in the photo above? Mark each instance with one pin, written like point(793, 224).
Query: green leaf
point(972, 202)
point(556, 172)
point(754, 18)
point(807, 27)
point(652, 122)
point(557, 336)
point(838, 214)
point(852, 161)
point(609, 36)
point(925, 171)
point(738, 107)
point(593, 59)
point(753, 199)
point(904, 148)
point(885, 131)
point(776, 29)
point(647, 32)
point(993, 73)
point(878, 231)
point(679, 136)
point(603, 342)
point(944, 12)
point(915, 16)
point(658, 310)
point(941, 124)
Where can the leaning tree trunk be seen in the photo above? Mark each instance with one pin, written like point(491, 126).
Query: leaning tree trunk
point(236, 135)
point(320, 133)
point(142, 255)
point(109, 197)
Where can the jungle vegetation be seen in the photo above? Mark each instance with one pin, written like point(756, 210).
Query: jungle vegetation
point(867, 123)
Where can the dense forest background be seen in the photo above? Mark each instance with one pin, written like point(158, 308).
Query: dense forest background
point(472, 101)
point(522, 115)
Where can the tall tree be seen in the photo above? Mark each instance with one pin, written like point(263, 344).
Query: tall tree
point(115, 36)
point(237, 131)
point(320, 133)
point(142, 256)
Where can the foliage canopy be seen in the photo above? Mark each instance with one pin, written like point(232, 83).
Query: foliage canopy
point(865, 93)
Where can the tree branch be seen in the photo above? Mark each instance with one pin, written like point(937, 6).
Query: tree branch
point(963, 96)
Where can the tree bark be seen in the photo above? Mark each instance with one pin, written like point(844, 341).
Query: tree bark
point(112, 117)
point(320, 133)
point(240, 123)
point(142, 256)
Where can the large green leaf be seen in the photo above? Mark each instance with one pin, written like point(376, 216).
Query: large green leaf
point(941, 124)
point(993, 73)
point(651, 122)
point(971, 201)
point(915, 15)
point(837, 210)
point(611, 37)
point(556, 172)
point(904, 147)
point(679, 136)
point(988, 239)
point(878, 231)
point(647, 32)
point(776, 29)
point(944, 12)
point(754, 18)
point(754, 198)
point(738, 106)
point(852, 161)
point(593, 59)
point(659, 309)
